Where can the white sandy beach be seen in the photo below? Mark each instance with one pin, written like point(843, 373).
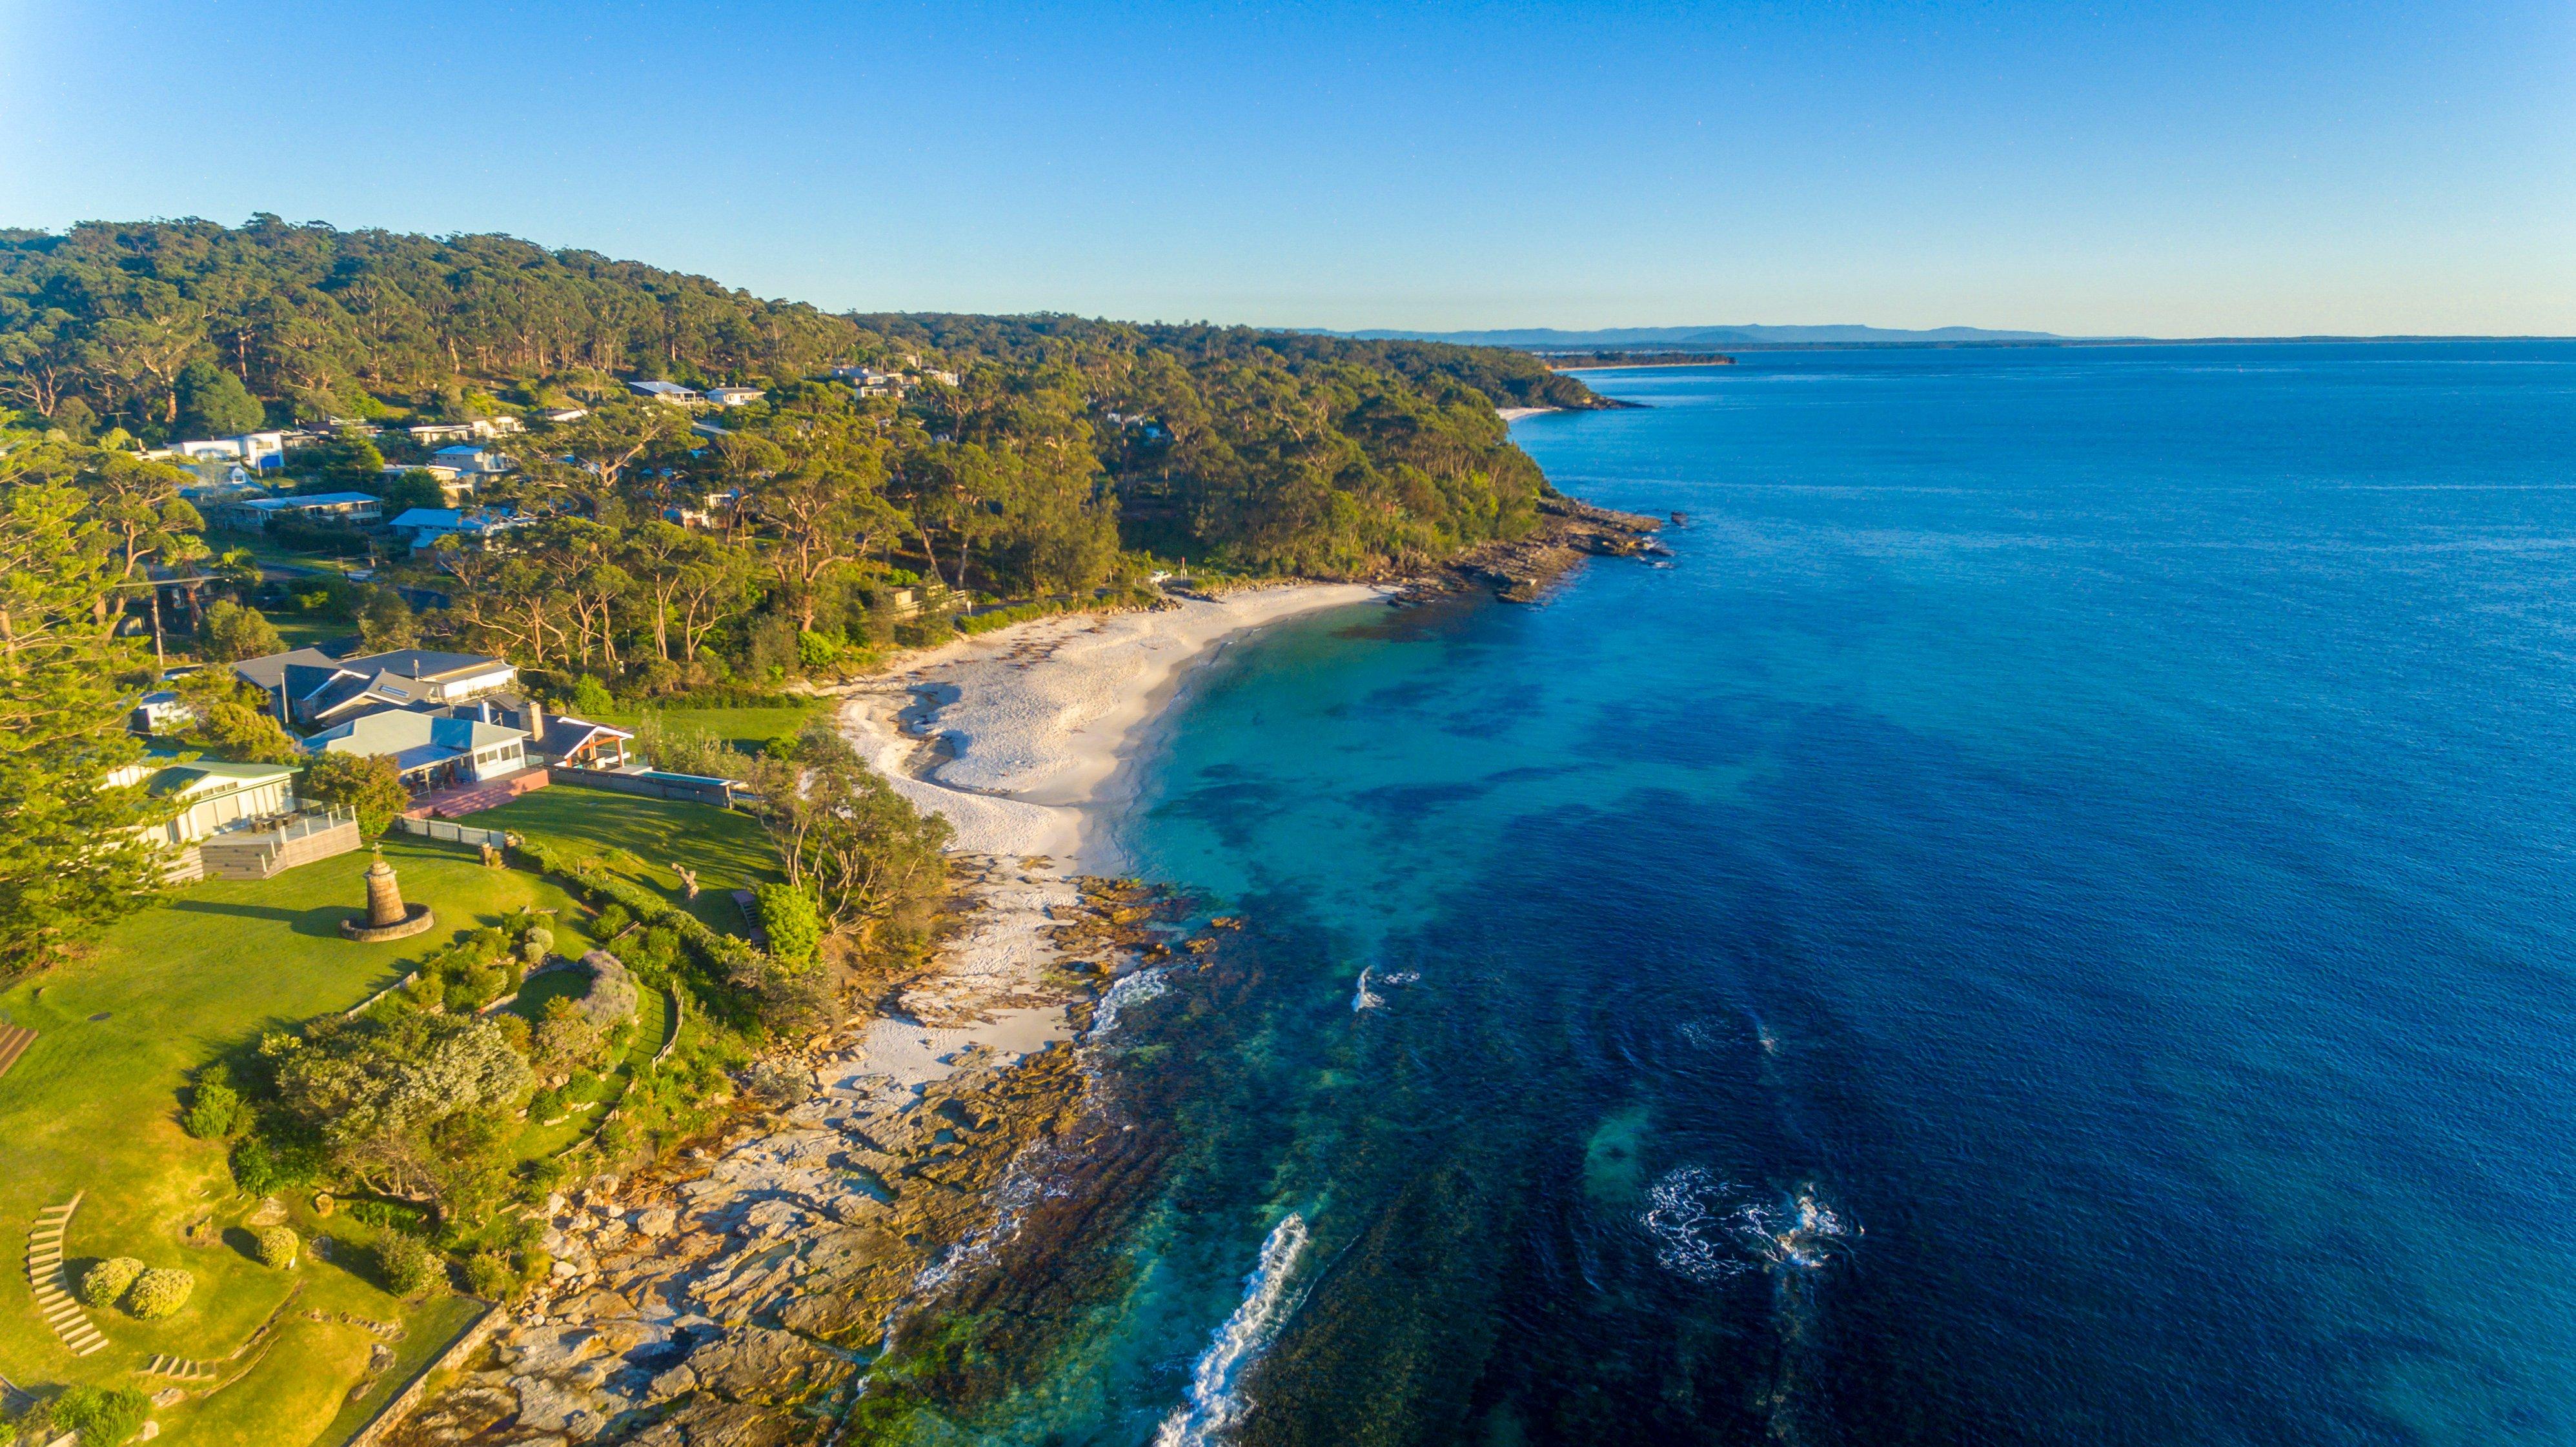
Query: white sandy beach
point(1514, 414)
point(1040, 722)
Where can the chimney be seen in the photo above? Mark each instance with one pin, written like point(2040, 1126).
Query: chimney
point(534, 716)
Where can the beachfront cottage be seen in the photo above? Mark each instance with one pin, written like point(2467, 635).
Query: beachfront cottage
point(211, 798)
point(429, 752)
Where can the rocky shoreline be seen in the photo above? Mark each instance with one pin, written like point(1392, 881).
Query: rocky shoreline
point(737, 1296)
point(1521, 569)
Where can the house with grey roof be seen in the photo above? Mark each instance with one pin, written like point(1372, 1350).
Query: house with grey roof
point(310, 688)
point(671, 392)
point(254, 515)
point(429, 751)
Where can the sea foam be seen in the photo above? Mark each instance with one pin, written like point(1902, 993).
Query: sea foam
point(1134, 990)
point(1709, 1229)
point(1216, 1404)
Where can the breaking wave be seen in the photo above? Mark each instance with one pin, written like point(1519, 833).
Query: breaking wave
point(1710, 1229)
point(1215, 1404)
point(1135, 989)
point(1366, 998)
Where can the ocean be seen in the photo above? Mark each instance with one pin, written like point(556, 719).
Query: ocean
point(2048, 921)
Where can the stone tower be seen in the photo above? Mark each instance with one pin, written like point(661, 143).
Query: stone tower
point(388, 918)
point(384, 896)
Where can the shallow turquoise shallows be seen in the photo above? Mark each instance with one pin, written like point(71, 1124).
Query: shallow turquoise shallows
point(2049, 921)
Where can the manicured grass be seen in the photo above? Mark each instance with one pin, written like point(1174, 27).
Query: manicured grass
point(748, 729)
point(440, 1320)
point(635, 1053)
point(640, 839)
point(94, 1103)
point(304, 630)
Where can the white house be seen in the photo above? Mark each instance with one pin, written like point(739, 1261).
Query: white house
point(443, 473)
point(159, 712)
point(734, 396)
point(428, 751)
point(213, 798)
point(463, 459)
point(431, 434)
point(561, 415)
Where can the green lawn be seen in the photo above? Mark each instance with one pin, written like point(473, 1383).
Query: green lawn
point(652, 1016)
point(745, 728)
point(93, 1107)
point(304, 630)
point(640, 839)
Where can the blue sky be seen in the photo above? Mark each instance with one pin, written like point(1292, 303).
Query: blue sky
point(2173, 170)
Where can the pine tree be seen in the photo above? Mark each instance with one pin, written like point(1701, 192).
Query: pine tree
point(71, 859)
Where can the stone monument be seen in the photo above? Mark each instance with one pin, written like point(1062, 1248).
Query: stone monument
point(388, 918)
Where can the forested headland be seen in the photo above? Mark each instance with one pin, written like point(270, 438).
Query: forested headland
point(1064, 440)
point(900, 477)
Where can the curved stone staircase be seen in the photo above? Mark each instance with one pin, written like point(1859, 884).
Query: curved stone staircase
point(54, 1300)
point(179, 1367)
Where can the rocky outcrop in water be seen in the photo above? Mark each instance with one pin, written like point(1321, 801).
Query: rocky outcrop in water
point(1518, 570)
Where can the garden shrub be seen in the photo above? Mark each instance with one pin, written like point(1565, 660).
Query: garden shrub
point(107, 1280)
point(795, 927)
point(488, 1275)
point(103, 1416)
point(159, 1292)
point(215, 1110)
point(276, 1246)
point(405, 1265)
point(611, 999)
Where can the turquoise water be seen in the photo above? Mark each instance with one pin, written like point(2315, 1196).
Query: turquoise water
point(2048, 922)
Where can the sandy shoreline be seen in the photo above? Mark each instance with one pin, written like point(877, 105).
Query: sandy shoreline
point(700, 1292)
point(1025, 740)
point(1514, 414)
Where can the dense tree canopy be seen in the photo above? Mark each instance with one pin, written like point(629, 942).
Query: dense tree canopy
point(1065, 440)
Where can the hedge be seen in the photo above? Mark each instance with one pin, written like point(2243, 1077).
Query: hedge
point(105, 1281)
point(159, 1292)
point(276, 1246)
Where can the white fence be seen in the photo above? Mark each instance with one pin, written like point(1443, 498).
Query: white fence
point(453, 832)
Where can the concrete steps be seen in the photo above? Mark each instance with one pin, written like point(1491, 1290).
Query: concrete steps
point(180, 1368)
point(54, 1300)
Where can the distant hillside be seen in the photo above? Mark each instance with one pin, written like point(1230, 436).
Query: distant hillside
point(1550, 339)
